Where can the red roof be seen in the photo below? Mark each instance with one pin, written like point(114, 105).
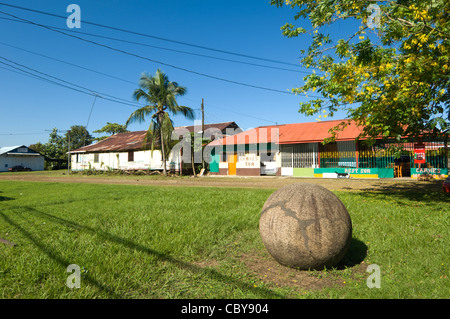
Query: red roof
point(317, 132)
point(291, 133)
point(263, 134)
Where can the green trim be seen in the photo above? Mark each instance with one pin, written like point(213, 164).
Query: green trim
point(381, 172)
point(303, 172)
point(214, 163)
point(385, 173)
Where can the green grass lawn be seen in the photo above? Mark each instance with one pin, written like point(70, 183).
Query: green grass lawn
point(173, 242)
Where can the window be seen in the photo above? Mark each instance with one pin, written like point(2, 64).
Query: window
point(130, 156)
point(96, 158)
point(300, 156)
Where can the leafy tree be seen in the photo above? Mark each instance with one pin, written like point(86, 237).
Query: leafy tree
point(111, 129)
point(38, 147)
point(391, 75)
point(55, 148)
point(160, 94)
point(79, 137)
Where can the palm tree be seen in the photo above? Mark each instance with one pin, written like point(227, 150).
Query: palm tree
point(160, 95)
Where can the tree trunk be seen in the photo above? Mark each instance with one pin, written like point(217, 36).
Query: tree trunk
point(161, 139)
point(192, 161)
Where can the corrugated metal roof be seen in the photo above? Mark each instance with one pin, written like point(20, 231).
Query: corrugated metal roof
point(197, 128)
point(263, 134)
point(132, 141)
point(292, 133)
point(128, 141)
point(316, 132)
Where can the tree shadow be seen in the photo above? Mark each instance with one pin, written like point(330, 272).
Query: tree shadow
point(52, 254)
point(403, 193)
point(4, 198)
point(102, 235)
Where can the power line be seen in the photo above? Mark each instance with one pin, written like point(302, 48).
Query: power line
point(166, 49)
point(68, 63)
point(155, 61)
point(12, 134)
point(240, 113)
point(151, 36)
point(231, 111)
point(77, 88)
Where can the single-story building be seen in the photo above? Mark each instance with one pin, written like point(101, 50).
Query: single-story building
point(297, 150)
point(20, 155)
point(128, 151)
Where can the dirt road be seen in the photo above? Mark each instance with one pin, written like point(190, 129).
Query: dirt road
point(209, 181)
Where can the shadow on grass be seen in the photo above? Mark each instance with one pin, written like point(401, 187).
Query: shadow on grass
point(356, 253)
point(4, 198)
point(213, 274)
point(405, 193)
point(54, 255)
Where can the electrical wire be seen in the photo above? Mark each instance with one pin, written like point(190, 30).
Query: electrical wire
point(40, 78)
point(165, 49)
point(154, 61)
point(76, 87)
point(68, 63)
point(150, 36)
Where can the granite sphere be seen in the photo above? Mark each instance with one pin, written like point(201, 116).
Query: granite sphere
point(305, 226)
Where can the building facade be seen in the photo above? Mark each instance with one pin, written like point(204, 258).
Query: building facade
point(20, 155)
point(297, 150)
point(129, 151)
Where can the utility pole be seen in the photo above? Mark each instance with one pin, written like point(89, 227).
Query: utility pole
point(203, 131)
point(68, 153)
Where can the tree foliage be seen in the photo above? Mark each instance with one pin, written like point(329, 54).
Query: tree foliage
point(79, 137)
point(390, 75)
point(57, 145)
point(110, 129)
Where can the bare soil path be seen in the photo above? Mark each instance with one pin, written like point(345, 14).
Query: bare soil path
point(213, 181)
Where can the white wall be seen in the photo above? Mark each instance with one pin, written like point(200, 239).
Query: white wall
point(35, 162)
point(119, 160)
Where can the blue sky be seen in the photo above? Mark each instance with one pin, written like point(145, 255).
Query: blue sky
point(30, 107)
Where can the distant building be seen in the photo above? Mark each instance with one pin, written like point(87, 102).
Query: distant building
point(297, 150)
point(20, 155)
point(128, 151)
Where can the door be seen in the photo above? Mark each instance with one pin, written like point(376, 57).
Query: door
point(232, 159)
point(287, 161)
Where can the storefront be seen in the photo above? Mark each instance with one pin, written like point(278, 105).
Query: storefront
point(298, 151)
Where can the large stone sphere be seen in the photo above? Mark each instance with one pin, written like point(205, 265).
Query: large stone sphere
point(305, 226)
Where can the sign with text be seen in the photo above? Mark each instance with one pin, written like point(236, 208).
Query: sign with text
point(248, 161)
point(434, 172)
point(419, 154)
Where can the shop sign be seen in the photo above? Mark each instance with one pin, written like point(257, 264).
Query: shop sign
point(358, 171)
point(248, 161)
point(419, 154)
